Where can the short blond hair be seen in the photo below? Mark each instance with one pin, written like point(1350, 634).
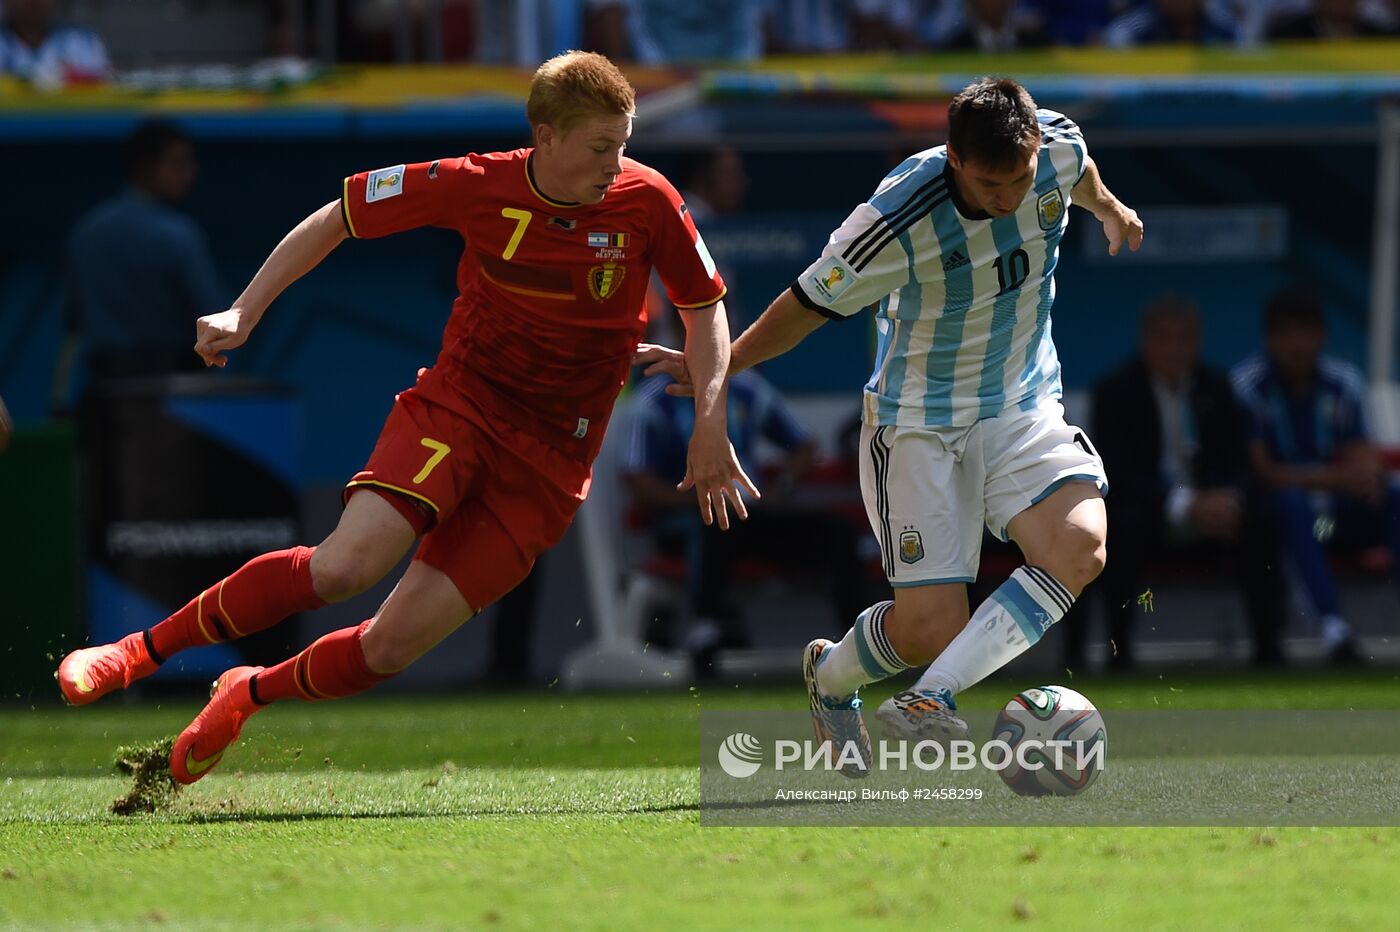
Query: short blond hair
point(571, 86)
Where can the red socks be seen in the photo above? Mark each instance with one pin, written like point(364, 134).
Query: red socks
point(332, 668)
point(260, 594)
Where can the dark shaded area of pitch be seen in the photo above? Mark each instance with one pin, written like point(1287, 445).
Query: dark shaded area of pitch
point(152, 786)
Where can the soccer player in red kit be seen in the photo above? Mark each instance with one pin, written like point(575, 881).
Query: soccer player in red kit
point(489, 455)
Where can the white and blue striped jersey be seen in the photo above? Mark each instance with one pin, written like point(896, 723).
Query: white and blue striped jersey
point(962, 306)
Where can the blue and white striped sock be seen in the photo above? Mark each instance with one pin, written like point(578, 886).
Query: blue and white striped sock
point(1013, 618)
point(864, 655)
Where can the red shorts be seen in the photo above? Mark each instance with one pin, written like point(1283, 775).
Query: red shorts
point(495, 497)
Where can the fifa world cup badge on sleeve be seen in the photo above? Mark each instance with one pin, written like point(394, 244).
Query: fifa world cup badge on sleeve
point(831, 279)
point(384, 183)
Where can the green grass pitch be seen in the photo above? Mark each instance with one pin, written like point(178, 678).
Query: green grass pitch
point(555, 811)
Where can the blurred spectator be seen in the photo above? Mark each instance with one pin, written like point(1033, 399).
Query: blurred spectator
point(994, 26)
point(1310, 444)
point(1202, 22)
point(662, 32)
point(714, 183)
point(394, 30)
point(34, 46)
point(139, 271)
point(838, 25)
point(1171, 437)
point(1331, 19)
point(1074, 22)
point(779, 529)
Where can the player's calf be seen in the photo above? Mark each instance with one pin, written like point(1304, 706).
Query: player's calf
point(333, 667)
point(258, 595)
point(1014, 617)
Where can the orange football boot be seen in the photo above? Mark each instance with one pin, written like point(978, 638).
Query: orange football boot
point(88, 674)
point(203, 743)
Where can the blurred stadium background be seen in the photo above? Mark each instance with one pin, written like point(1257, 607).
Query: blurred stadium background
point(1257, 162)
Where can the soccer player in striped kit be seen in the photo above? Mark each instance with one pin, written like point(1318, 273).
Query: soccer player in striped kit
point(963, 426)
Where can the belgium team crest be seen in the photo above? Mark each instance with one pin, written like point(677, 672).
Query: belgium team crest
point(603, 280)
point(1050, 208)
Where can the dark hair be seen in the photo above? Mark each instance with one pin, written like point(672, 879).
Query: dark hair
point(149, 142)
point(993, 123)
point(695, 167)
point(1296, 306)
point(1170, 307)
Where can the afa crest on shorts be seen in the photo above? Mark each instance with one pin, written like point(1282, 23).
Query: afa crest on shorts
point(604, 280)
point(911, 546)
point(1050, 208)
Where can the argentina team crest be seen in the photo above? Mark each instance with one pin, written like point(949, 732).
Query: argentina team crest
point(911, 546)
point(1050, 208)
point(605, 279)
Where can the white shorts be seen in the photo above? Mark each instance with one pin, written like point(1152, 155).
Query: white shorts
point(929, 490)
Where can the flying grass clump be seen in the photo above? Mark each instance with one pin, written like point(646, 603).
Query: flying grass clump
point(152, 786)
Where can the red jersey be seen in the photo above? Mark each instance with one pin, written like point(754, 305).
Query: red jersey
point(552, 295)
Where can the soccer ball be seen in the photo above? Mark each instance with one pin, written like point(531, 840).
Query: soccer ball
point(1051, 714)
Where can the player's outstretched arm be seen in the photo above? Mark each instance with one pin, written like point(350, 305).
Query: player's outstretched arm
point(299, 252)
point(1120, 222)
point(785, 324)
point(712, 467)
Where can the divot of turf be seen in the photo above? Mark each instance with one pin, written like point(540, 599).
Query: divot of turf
point(152, 786)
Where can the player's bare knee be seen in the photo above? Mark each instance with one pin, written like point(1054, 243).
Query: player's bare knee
point(1098, 560)
point(1080, 555)
point(337, 574)
point(385, 653)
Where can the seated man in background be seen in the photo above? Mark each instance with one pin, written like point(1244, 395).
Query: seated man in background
point(779, 530)
point(1333, 19)
point(995, 26)
point(1311, 447)
point(1171, 437)
point(662, 32)
point(1157, 22)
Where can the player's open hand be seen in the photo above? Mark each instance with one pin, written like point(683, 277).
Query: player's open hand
point(1122, 225)
point(662, 360)
point(712, 469)
point(218, 333)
